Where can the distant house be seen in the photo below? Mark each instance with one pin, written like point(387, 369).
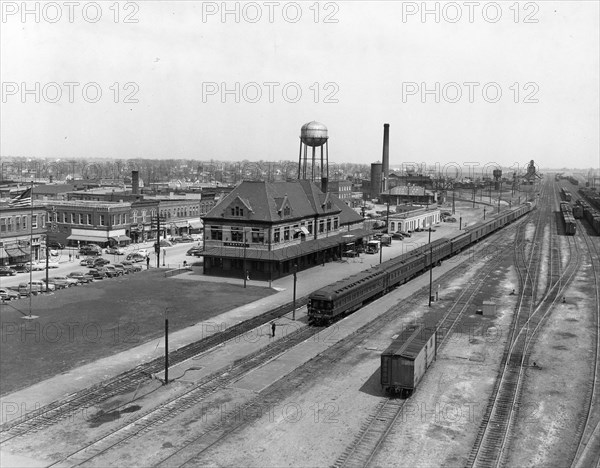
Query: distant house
point(265, 229)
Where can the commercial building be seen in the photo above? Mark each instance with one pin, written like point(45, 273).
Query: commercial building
point(263, 229)
point(408, 194)
point(76, 223)
point(414, 219)
point(20, 230)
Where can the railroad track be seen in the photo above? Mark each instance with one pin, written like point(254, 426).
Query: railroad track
point(375, 430)
point(144, 421)
point(129, 381)
point(494, 434)
point(588, 428)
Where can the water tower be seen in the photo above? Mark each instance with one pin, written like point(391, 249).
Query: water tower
point(497, 173)
point(314, 135)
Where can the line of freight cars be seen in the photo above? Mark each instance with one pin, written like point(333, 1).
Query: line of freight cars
point(569, 220)
point(565, 194)
point(589, 213)
point(345, 296)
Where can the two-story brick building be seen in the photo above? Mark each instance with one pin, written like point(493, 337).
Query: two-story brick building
point(263, 229)
point(20, 229)
point(76, 223)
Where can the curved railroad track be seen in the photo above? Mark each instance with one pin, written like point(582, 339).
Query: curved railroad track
point(588, 429)
point(494, 434)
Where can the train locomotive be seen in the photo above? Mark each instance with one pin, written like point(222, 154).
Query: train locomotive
point(343, 297)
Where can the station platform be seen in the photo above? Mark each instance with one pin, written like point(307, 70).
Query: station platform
point(17, 404)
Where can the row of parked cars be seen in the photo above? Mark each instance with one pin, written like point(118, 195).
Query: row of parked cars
point(99, 270)
point(26, 267)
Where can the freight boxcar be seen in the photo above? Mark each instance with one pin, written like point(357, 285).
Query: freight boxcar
point(570, 226)
point(577, 211)
point(406, 360)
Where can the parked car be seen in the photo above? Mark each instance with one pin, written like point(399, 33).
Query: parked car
point(53, 253)
point(98, 273)
point(195, 251)
point(111, 271)
point(41, 286)
point(397, 236)
point(405, 234)
point(142, 252)
point(165, 243)
point(55, 245)
point(115, 250)
point(8, 295)
point(81, 276)
point(136, 257)
point(134, 266)
point(122, 268)
point(100, 261)
point(181, 239)
point(57, 284)
point(87, 261)
point(91, 249)
point(21, 268)
point(6, 271)
point(36, 266)
point(26, 290)
point(70, 280)
point(53, 264)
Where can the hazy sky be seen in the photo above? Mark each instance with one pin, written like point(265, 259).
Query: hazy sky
point(192, 80)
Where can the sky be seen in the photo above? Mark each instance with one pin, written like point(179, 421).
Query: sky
point(458, 82)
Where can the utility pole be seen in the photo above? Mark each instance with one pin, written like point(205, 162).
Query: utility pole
point(244, 272)
point(430, 267)
point(166, 347)
point(294, 299)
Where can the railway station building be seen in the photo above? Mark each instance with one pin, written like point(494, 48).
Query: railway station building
point(267, 229)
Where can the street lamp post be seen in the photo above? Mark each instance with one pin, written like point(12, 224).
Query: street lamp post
point(484, 213)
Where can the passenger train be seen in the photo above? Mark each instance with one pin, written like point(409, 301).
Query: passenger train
point(345, 296)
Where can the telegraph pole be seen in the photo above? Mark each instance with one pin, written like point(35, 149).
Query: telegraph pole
point(430, 267)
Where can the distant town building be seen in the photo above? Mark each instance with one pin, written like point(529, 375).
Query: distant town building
point(408, 194)
point(263, 229)
point(342, 189)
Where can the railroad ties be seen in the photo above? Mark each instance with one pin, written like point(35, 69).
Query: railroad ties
point(371, 434)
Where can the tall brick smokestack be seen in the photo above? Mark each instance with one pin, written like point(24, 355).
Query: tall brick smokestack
point(385, 160)
point(135, 182)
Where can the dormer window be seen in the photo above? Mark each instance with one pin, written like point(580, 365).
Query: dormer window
point(286, 211)
point(237, 211)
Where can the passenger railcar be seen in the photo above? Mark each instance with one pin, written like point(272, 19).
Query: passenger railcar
point(345, 296)
point(405, 361)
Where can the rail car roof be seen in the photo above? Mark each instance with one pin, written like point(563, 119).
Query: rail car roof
point(410, 342)
point(346, 283)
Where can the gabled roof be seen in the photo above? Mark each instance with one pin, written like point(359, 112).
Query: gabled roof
point(266, 201)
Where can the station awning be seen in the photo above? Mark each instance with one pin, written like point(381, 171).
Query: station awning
point(89, 237)
point(3, 253)
point(302, 230)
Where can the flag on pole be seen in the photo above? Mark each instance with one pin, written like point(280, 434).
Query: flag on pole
point(22, 200)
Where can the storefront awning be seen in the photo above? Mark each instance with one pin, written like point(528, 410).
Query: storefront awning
point(178, 224)
point(90, 237)
point(15, 252)
point(120, 238)
point(195, 224)
point(3, 253)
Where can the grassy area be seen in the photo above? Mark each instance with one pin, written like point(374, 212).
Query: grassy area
point(82, 324)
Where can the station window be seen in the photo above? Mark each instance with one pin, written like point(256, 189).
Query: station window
point(276, 235)
point(286, 233)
